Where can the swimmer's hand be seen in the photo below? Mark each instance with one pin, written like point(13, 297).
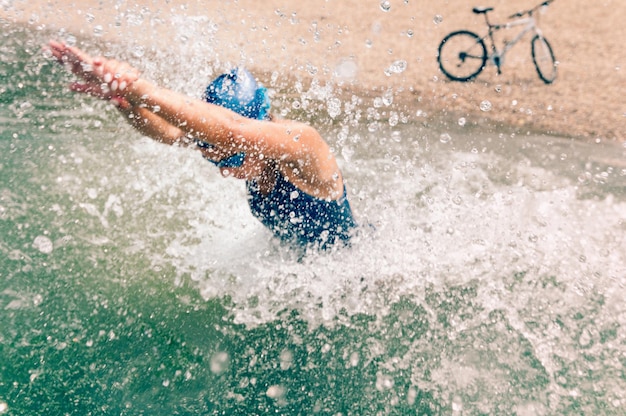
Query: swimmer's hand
point(107, 79)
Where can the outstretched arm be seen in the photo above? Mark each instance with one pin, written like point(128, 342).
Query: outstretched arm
point(86, 68)
point(151, 125)
point(214, 124)
point(298, 149)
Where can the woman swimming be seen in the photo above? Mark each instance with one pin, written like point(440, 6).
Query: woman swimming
point(294, 185)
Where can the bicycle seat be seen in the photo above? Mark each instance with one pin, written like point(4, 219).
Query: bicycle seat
point(479, 10)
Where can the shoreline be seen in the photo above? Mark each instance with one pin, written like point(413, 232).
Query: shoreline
point(352, 46)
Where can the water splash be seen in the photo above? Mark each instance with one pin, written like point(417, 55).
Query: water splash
point(487, 277)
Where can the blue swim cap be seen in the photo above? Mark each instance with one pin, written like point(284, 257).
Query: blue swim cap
point(237, 90)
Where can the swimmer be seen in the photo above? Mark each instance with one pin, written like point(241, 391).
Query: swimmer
point(294, 185)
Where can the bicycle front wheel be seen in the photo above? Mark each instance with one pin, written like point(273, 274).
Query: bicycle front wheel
point(462, 55)
point(544, 59)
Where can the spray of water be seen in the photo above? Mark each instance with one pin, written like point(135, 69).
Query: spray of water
point(482, 261)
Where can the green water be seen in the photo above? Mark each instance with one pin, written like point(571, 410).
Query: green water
point(133, 281)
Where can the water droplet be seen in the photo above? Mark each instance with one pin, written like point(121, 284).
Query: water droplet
point(139, 51)
point(275, 391)
point(462, 121)
point(445, 138)
point(393, 119)
point(347, 69)
point(586, 338)
point(397, 67)
point(354, 359)
point(384, 382)
point(34, 18)
point(485, 105)
point(385, 5)
point(457, 200)
point(219, 362)
point(347, 153)
point(334, 107)
point(387, 98)
point(410, 33)
point(43, 244)
point(437, 19)
point(457, 404)
point(98, 30)
point(368, 43)
point(90, 17)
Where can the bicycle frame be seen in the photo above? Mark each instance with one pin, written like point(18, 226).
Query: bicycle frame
point(497, 56)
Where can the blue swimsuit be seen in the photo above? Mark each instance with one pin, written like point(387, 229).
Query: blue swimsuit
point(293, 215)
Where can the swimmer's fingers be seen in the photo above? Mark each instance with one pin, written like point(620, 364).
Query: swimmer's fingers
point(79, 62)
point(116, 74)
point(91, 68)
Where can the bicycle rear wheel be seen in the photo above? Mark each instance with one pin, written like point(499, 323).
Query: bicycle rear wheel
point(462, 55)
point(544, 59)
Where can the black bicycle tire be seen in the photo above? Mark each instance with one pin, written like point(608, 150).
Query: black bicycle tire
point(543, 76)
point(483, 58)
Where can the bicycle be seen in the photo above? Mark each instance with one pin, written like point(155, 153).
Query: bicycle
point(463, 54)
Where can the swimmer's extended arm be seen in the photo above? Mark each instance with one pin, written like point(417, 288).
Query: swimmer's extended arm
point(298, 149)
point(211, 123)
point(288, 142)
point(151, 125)
point(140, 117)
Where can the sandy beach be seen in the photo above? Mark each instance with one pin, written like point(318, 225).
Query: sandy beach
point(354, 44)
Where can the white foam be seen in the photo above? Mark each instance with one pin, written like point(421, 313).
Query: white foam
point(461, 218)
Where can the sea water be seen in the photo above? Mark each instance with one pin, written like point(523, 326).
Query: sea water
point(488, 276)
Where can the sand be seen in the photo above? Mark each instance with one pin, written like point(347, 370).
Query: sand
point(351, 44)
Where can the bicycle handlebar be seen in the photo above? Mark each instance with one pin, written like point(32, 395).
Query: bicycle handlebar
point(530, 11)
